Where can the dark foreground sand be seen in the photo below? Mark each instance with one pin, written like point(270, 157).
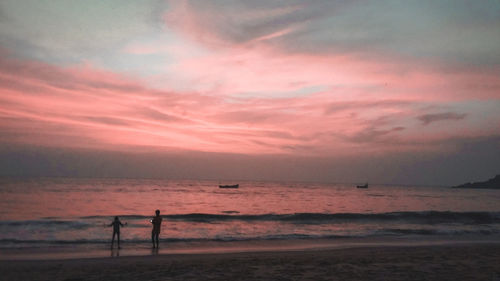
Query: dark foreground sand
point(448, 262)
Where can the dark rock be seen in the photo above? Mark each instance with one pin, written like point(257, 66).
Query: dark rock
point(491, 183)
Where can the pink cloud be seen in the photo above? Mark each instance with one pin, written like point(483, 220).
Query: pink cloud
point(265, 72)
point(251, 65)
point(245, 99)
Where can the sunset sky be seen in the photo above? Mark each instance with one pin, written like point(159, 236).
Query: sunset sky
point(337, 91)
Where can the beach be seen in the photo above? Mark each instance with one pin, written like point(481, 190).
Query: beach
point(78, 212)
point(465, 261)
point(260, 231)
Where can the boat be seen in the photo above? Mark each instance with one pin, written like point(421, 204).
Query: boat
point(362, 186)
point(229, 186)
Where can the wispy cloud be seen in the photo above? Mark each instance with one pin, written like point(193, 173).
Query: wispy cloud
point(266, 77)
point(430, 118)
point(82, 106)
point(458, 33)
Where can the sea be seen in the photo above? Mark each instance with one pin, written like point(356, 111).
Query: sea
point(72, 215)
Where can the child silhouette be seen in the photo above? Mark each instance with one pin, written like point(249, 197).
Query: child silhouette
point(116, 231)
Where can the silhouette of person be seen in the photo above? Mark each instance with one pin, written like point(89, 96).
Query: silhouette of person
point(116, 230)
point(155, 233)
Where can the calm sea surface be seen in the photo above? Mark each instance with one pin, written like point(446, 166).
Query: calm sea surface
point(41, 212)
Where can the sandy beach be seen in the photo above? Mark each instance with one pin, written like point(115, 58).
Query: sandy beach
point(445, 262)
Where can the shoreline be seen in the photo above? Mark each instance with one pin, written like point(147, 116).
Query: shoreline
point(90, 251)
point(456, 261)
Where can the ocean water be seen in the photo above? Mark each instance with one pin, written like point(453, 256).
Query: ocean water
point(48, 212)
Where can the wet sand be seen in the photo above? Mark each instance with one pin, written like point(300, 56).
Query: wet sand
point(445, 262)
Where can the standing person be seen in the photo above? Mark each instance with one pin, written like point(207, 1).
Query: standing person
point(116, 231)
point(155, 233)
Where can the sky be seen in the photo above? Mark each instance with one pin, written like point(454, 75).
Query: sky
point(397, 92)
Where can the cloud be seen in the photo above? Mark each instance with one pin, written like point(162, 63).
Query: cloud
point(426, 119)
point(372, 135)
point(336, 107)
point(269, 72)
point(246, 88)
point(458, 32)
point(303, 79)
point(83, 106)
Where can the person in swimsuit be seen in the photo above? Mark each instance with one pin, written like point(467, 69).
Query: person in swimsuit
point(116, 231)
point(155, 233)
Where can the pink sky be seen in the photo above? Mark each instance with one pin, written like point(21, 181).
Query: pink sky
point(257, 81)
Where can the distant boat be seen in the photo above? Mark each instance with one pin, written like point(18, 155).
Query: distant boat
point(362, 186)
point(229, 186)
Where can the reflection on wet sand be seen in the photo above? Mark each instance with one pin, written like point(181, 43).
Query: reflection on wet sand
point(154, 251)
point(115, 252)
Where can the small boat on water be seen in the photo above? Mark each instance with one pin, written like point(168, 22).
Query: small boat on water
point(362, 186)
point(229, 186)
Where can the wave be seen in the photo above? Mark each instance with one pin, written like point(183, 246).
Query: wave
point(73, 224)
point(426, 216)
point(293, 236)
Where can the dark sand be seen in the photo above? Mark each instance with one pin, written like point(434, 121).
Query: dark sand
point(446, 262)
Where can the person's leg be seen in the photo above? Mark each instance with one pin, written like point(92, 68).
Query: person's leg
point(113, 239)
point(157, 240)
point(118, 236)
point(153, 238)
